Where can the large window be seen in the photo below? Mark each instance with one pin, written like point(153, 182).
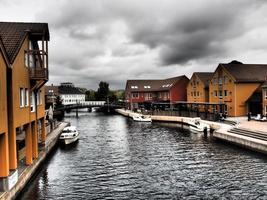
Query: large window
point(33, 103)
point(135, 95)
point(21, 97)
point(220, 94)
point(225, 93)
point(26, 97)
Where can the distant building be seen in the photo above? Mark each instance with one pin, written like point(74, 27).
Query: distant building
point(51, 95)
point(264, 98)
point(70, 94)
point(139, 93)
point(198, 87)
point(240, 87)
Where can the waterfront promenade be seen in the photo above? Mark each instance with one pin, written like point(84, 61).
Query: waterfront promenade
point(27, 172)
point(222, 131)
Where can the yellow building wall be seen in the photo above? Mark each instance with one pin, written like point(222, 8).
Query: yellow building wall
point(193, 89)
point(3, 96)
point(243, 92)
point(22, 116)
point(228, 85)
point(237, 93)
point(4, 156)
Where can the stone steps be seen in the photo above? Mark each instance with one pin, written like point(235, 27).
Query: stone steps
point(248, 133)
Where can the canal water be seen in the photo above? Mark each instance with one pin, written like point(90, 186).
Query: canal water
point(117, 158)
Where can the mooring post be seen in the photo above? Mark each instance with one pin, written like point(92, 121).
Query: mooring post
point(205, 132)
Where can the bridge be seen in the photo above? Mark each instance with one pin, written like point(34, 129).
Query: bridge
point(104, 107)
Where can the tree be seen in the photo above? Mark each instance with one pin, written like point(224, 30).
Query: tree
point(103, 91)
point(90, 95)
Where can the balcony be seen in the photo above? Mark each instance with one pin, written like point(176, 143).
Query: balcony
point(38, 73)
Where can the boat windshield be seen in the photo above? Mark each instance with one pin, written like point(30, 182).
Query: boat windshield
point(68, 131)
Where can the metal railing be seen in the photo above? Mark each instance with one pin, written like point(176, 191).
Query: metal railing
point(38, 73)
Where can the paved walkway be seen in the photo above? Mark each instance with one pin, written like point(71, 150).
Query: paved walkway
point(250, 125)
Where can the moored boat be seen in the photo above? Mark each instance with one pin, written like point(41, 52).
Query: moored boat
point(197, 125)
point(142, 118)
point(69, 135)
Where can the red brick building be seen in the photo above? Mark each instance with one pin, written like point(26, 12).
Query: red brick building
point(140, 93)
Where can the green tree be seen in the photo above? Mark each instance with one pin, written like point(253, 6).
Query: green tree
point(90, 95)
point(103, 91)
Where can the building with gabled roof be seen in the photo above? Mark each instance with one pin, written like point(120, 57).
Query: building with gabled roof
point(70, 94)
point(141, 92)
point(237, 85)
point(25, 46)
point(198, 87)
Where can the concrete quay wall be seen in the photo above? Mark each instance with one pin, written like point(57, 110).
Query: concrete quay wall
point(29, 171)
point(242, 141)
point(220, 131)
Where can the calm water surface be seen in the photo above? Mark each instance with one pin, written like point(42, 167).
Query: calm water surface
point(117, 158)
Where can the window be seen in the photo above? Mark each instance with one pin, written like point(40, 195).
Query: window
point(220, 93)
point(147, 86)
point(26, 97)
point(225, 93)
point(265, 110)
point(33, 103)
point(225, 79)
point(198, 93)
point(214, 81)
point(220, 81)
point(192, 94)
point(134, 87)
point(215, 93)
point(135, 95)
point(21, 97)
point(265, 94)
point(25, 59)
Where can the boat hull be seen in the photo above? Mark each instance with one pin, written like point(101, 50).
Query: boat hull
point(67, 141)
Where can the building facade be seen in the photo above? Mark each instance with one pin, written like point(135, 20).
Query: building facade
point(139, 93)
point(237, 85)
point(70, 94)
point(198, 87)
point(4, 156)
point(264, 98)
point(26, 47)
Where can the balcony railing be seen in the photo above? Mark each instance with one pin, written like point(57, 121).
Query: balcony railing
point(38, 73)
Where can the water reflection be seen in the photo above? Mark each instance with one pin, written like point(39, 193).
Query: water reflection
point(117, 158)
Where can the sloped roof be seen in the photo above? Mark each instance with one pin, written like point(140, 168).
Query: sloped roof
point(14, 33)
point(152, 85)
point(246, 72)
point(69, 90)
point(3, 52)
point(205, 77)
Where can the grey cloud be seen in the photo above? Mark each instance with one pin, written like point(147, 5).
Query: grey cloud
point(157, 33)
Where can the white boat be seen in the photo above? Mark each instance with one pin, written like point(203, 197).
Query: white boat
point(142, 118)
point(69, 135)
point(196, 125)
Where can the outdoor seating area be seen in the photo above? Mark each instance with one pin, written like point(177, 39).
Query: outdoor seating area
point(260, 118)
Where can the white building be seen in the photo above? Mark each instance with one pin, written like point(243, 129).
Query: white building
point(70, 94)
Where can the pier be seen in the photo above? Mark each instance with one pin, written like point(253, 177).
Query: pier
point(255, 140)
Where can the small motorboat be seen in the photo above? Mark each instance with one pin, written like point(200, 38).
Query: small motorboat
point(69, 135)
point(196, 125)
point(142, 118)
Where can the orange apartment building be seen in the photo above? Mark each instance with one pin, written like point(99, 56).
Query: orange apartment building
point(26, 49)
point(238, 86)
point(4, 165)
point(198, 87)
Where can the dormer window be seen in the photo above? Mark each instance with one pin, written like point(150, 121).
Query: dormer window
point(134, 87)
point(147, 86)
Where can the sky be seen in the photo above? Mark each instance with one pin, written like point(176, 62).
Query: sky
point(116, 40)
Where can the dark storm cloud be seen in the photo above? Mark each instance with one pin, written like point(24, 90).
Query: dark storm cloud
point(118, 39)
